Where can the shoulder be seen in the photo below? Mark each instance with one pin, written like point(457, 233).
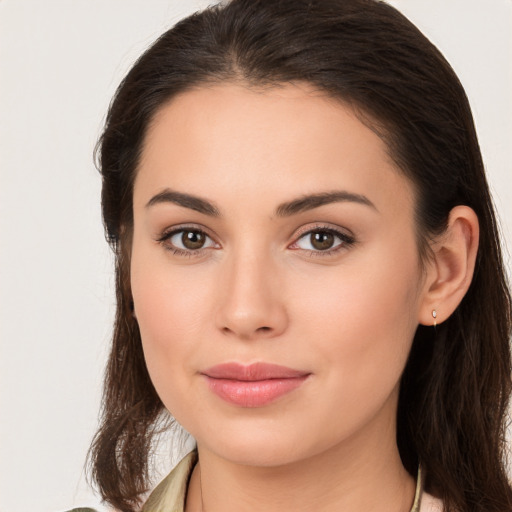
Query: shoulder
point(170, 493)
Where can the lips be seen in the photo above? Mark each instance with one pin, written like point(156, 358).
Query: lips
point(255, 385)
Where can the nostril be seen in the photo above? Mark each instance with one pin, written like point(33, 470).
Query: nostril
point(264, 329)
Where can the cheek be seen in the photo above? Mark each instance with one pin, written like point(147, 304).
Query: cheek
point(166, 308)
point(169, 299)
point(170, 308)
point(364, 319)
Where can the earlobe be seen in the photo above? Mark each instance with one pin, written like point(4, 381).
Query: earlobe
point(450, 272)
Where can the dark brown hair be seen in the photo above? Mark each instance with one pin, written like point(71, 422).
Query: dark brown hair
point(456, 385)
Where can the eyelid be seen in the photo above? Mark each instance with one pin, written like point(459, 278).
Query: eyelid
point(171, 230)
point(164, 239)
point(321, 226)
point(347, 238)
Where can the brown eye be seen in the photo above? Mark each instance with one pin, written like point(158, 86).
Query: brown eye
point(322, 240)
point(193, 240)
point(187, 241)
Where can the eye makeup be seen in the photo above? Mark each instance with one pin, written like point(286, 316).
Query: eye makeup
point(316, 241)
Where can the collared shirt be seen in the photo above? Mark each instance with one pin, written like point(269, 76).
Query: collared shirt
point(170, 494)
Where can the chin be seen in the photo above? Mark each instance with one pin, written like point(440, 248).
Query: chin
point(261, 444)
point(257, 454)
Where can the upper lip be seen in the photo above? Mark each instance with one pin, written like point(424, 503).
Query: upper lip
point(252, 372)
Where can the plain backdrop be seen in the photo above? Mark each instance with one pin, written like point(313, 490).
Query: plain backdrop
point(60, 62)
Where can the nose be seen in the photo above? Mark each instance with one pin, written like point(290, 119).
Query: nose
point(251, 304)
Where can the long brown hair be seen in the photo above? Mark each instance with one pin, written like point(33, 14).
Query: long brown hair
point(456, 385)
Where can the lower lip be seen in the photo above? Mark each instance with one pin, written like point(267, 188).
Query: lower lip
point(257, 393)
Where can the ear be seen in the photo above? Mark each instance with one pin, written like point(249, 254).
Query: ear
point(451, 269)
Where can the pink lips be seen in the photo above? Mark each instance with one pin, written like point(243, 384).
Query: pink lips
point(255, 385)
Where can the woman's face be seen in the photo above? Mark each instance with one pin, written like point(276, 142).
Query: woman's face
point(275, 272)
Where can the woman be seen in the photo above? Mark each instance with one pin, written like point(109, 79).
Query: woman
point(309, 276)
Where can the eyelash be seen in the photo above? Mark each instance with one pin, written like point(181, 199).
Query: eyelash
point(346, 241)
point(166, 236)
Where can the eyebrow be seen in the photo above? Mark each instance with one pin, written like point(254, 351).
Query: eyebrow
point(186, 200)
point(309, 202)
point(299, 205)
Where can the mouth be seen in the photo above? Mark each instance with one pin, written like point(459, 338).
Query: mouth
point(254, 385)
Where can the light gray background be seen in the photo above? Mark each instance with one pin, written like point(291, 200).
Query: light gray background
point(60, 62)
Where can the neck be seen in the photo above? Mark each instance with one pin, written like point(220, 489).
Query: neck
point(361, 474)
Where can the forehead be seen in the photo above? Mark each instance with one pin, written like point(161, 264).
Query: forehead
point(239, 141)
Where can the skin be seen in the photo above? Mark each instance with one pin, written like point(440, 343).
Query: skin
point(260, 291)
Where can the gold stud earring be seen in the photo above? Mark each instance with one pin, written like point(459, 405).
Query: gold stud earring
point(434, 316)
